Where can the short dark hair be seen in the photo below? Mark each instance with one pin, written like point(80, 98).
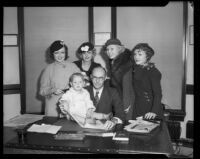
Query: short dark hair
point(57, 45)
point(76, 74)
point(145, 47)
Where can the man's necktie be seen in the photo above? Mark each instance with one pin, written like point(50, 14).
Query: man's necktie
point(96, 98)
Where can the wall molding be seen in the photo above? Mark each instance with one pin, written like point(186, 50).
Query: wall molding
point(113, 22)
point(20, 19)
point(90, 24)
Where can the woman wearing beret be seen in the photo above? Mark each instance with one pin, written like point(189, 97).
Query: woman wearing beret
point(86, 63)
point(55, 78)
point(146, 83)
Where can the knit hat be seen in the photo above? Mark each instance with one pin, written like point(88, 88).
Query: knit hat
point(56, 45)
point(87, 46)
point(113, 42)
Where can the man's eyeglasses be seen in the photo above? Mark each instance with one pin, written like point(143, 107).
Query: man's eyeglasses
point(97, 78)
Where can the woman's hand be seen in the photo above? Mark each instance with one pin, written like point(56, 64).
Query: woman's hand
point(150, 115)
point(64, 106)
point(58, 91)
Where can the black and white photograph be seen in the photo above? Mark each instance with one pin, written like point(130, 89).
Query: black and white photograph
point(99, 80)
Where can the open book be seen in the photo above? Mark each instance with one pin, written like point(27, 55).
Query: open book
point(98, 124)
point(141, 126)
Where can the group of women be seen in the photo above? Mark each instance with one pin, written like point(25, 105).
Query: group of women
point(136, 79)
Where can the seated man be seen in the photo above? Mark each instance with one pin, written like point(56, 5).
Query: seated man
point(105, 98)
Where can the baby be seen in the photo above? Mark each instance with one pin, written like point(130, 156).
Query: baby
point(77, 101)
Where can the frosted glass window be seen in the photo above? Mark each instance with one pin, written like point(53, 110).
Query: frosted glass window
point(10, 65)
point(102, 19)
point(11, 106)
point(10, 20)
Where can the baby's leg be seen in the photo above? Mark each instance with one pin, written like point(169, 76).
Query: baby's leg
point(97, 115)
point(90, 120)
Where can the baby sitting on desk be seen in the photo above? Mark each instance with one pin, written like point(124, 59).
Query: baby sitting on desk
point(77, 101)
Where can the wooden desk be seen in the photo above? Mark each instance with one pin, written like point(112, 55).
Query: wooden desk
point(157, 142)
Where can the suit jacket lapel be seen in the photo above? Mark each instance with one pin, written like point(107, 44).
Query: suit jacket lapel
point(101, 99)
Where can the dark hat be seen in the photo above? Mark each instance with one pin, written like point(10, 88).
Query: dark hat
point(56, 45)
point(113, 42)
point(87, 46)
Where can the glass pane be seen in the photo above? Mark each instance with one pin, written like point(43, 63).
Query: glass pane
point(10, 20)
point(102, 14)
point(11, 106)
point(10, 65)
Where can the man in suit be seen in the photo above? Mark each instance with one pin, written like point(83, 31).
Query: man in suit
point(108, 100)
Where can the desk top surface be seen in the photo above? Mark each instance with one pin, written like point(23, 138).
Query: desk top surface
point(157, 142)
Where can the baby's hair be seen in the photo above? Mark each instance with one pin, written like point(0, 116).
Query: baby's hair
point(76, 74)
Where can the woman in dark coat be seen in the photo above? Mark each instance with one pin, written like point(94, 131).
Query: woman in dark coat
point(86, 63)
point(146, 83)
point(119, 69)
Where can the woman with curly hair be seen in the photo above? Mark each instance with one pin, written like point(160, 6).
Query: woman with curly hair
point(146, 83)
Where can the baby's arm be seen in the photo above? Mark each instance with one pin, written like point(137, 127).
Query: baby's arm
point(89, 113)
point(101, 116)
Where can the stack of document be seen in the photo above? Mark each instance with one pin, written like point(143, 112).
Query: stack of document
point(98, 124)
point(22, 120)
point(68, 136)
point(121, 136)
point(99, 134)
point(141, 126)
point(44, 128)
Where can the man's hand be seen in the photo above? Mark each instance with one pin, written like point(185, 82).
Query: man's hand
point(109, 124)
point(127, 109)
point(149, 115)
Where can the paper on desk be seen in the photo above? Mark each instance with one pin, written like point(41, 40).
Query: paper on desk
point(22, 120)
point(140, 126)
point(44, 128)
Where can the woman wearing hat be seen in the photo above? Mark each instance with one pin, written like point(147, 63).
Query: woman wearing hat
point(86, 63)
point(55, 78)
point(119, 68)
point(146, 83)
